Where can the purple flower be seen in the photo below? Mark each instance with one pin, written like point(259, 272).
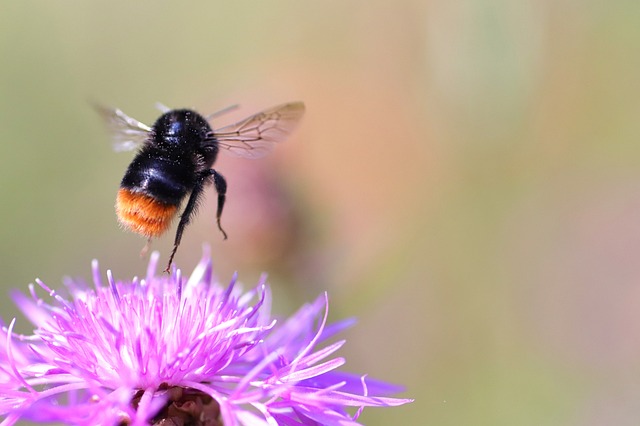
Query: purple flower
point(171, 351)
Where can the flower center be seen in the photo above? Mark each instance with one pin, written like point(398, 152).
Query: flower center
point(184, 407)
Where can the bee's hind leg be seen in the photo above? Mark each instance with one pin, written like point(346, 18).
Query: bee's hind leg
point(146, 248)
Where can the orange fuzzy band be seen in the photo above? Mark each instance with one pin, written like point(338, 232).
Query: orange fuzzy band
point(143, 214)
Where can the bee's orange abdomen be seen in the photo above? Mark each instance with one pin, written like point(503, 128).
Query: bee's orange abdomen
point(143, 214)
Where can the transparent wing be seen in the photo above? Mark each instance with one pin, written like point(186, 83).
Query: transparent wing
point(255, 136)
point(128, 133)
point(162, 107)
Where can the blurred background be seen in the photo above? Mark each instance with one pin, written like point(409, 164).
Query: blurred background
point(466, 180)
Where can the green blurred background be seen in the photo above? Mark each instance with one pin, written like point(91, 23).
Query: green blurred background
point(466, 180)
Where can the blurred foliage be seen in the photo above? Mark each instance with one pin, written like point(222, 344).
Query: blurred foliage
point(466, 180)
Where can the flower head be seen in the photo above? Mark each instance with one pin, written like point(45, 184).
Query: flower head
point(166, 350)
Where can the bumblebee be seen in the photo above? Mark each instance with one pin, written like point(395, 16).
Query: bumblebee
point(175, 162)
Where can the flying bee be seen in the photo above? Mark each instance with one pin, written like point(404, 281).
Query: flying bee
point(175, 159)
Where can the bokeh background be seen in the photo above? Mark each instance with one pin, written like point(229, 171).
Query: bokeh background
point(466, 180)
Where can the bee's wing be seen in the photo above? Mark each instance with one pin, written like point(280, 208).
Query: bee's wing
point(162, 107)
point(256, 136)
point(128, 133)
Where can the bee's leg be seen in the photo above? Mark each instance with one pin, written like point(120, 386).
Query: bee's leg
point(221, 189)
point(146, 248)
point(188, 213)
point(192, 205)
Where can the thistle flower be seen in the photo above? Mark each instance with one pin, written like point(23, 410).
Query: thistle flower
point(170, 351)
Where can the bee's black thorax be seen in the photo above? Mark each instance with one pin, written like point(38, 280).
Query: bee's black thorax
point(178, 151)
